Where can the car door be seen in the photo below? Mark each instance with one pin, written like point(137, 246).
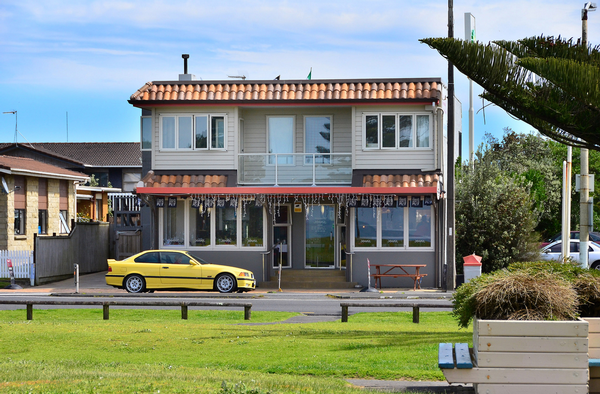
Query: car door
point(147, 265)
point(178, 270)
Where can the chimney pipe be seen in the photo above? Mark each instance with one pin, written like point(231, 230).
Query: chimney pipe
point(185, 58)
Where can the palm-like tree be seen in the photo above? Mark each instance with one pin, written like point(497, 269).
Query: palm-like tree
point(551, 83)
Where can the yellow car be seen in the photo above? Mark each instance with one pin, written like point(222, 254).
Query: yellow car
point(174, 269)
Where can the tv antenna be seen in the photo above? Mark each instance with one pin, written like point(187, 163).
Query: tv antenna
point(16, 121)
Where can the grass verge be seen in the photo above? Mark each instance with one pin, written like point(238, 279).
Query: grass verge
point(147, 351)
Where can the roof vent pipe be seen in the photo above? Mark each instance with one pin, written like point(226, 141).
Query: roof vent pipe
point(185, 58)
point(185, 76)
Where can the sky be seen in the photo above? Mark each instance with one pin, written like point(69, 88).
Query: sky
point(68, 67)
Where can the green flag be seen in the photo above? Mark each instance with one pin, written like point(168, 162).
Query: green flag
point(309, 77)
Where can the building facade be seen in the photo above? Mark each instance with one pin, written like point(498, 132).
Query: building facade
point(309, 175)
point(36, 198)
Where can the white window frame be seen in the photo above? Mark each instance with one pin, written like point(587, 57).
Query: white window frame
point(209, 117)
point(293, 117)
point(213, 237)
point(379, 246)
point(304, 145)
point(397, 115)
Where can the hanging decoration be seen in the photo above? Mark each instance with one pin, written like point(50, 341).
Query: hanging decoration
point(160, 202)
point(172, 202)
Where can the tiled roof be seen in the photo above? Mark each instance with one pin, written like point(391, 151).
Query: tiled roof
point(290, 91)
point(400, 180)
point(21, 164)
point(94, 154)
point(174, 180)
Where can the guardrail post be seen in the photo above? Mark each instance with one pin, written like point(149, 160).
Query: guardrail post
point(105, 310)
point(29, 311)
point(247, 312)
point(344, 313)
point(184, 311)
point(415, 314)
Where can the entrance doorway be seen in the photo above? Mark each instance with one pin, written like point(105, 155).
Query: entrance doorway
point(320, 236)
point(282, 235)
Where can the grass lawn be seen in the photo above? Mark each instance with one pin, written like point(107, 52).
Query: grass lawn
point(152, 351)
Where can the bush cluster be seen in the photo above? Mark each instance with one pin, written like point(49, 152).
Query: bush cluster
point(530, 291)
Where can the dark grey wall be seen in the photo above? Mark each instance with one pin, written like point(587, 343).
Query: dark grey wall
point(359, 267)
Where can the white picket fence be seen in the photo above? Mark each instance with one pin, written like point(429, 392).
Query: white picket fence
point(22, 262)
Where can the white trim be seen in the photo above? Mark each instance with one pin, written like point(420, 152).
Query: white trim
point(51, 175)
point(193, 115)
point(397, 115)
point(213, 234)
point(406, 235)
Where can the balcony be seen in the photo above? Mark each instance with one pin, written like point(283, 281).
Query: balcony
point(315, 169)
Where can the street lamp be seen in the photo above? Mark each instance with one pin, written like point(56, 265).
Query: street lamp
point(585, 219)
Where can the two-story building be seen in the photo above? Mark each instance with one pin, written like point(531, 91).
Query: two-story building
point(312, 174)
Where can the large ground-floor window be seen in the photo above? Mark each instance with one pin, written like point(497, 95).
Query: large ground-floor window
point(405, 226)
point(212, 224)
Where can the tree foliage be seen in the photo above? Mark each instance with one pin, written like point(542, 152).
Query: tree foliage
point(551, 83)
point(495, 215)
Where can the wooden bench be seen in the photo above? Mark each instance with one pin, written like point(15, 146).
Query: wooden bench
point(106, 305)
point(407, 304)
point(392, 272)
point(457, 357)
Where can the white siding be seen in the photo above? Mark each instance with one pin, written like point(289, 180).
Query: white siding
point(198, 159)
point(255, 127)
point(422, 159)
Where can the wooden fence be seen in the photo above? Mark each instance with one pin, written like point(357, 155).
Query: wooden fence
point(22, 262)
point(86, 245)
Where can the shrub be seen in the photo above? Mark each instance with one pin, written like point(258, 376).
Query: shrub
point(530, 291)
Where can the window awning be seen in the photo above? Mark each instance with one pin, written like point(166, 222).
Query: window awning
point(292, 190)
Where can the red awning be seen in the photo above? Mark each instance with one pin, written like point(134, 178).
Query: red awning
point(291, 190)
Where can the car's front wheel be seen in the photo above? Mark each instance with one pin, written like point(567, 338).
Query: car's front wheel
point(135, 284)
point(225, 283)
point(595, 265)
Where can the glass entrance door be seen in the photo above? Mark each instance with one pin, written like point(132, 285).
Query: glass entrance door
point(320, 236)
point(282, 230)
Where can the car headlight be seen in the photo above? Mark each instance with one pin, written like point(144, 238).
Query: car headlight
point(245, 274)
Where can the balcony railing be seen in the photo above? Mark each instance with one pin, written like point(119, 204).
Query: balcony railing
point(295, 169)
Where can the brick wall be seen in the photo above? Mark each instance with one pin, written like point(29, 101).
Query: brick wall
point(25, 241)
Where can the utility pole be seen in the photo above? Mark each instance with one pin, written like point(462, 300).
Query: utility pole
point(584, 192)
point(449, 176)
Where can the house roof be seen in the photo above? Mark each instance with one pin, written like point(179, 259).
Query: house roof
point(417, 90)
point(182, 184)
point(89, 154)
point(23, 166)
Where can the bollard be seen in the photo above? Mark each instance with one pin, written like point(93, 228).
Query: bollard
point(344, 313)
point(76, 276)
point(29, 311)
point(415, 314)
point(247, 311)
point(184, 311)
point(105, 310)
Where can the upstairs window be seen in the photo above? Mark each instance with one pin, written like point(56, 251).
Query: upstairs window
point(193, 132)
point(396, 131)
point(146, 132)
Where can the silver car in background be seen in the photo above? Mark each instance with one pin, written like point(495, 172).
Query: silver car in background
point(553, 252)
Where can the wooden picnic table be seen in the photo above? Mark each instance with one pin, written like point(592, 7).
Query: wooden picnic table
point(396, 271)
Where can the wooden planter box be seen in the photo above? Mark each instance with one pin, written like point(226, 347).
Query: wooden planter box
point(594, 352)
point(527, 357)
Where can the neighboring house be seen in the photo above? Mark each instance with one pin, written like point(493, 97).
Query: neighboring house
point(309, 170)
point(36, 198)
point(115, 166)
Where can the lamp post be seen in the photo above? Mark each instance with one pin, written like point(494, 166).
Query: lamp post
point(584, 193)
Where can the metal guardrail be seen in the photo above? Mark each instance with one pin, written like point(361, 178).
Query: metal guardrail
point(106, 305)
point(414, 305)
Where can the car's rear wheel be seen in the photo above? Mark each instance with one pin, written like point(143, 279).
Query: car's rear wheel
point(595, 265)
point(225, 283)
point(135, 284)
